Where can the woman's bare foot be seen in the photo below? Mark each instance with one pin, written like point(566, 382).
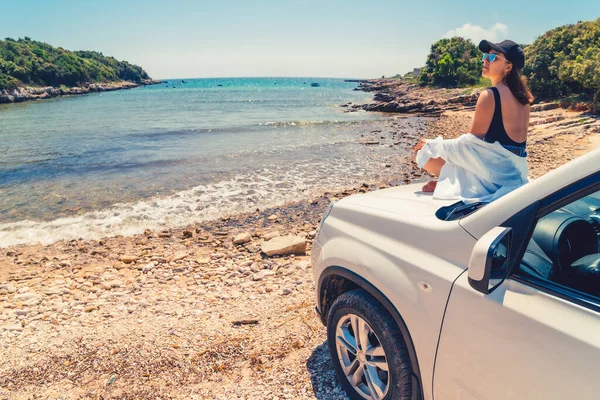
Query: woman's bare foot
point(429, 187)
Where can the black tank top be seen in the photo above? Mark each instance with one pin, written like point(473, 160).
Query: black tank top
point(496, 132)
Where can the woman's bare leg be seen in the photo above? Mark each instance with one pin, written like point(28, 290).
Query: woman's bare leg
point(433, 166)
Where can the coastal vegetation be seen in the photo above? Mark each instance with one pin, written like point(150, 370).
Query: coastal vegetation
point(566, 61)
point(563, 62)
point(452, 62)
point(26, 62)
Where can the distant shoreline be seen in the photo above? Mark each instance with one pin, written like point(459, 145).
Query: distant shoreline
point(401, 96)
point(28, 93)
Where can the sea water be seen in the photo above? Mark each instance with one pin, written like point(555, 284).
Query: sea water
point(176, 153)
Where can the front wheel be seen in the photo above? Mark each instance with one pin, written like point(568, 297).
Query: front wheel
point(367, 349)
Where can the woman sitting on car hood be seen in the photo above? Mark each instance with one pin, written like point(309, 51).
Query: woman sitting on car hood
point(491, 160)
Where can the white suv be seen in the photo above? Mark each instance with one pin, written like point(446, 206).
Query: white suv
point(426, 299)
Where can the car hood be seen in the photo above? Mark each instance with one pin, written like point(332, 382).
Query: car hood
point(402, 200)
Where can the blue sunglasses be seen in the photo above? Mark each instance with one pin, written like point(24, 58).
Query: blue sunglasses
point(492, 57)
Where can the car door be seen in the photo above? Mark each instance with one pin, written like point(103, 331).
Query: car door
point(537, 335)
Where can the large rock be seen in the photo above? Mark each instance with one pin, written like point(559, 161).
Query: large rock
point(179, 256)
point(13, 328)
point(260, 275)
point(284, 245)
point(128, 259)
point(242, 238)
point(7, 288)
point(32, 302)
point(270, 235)
point(111, 284)
point(26, 296)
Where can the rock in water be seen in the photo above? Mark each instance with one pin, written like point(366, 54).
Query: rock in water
point(284, 245)
point(242, 238)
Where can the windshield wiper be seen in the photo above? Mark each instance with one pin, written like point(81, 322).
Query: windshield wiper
point(457, 210)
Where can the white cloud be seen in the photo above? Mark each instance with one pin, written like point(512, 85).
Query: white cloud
point(477, 33)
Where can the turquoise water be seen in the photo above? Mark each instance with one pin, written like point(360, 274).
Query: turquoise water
point(170, 154)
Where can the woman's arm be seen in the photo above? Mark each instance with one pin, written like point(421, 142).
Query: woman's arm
point(433, 165)
point(484, 112)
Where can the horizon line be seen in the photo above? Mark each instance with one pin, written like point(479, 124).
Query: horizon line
point(271, 77)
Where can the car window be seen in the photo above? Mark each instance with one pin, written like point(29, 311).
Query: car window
point(564, 248)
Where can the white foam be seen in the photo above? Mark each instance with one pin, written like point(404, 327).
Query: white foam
point(273, 186)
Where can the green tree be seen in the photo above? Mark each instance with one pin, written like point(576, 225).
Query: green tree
point(452, 62)
point(552, 59)
point(585, 71)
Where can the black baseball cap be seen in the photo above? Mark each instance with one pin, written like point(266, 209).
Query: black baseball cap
point(512, 51)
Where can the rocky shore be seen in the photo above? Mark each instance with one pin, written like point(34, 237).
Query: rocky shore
point(401, 96)
point(215, 310)
point(28, 93)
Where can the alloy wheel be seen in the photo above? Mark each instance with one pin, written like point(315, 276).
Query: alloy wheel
point(362, 357)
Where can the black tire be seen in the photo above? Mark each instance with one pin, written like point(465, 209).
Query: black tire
point(362, 304)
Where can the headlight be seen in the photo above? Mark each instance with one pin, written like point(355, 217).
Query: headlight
point(325, 215)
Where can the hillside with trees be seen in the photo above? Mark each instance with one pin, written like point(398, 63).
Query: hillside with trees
point(562, 62)
point(26, 62)
point(565, 61)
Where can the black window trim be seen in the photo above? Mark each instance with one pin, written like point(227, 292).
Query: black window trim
point(575, 191)
point(569, 194)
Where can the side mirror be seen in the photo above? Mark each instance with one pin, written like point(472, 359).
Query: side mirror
point(488, 266)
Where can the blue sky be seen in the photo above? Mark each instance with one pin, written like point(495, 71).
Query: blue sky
point(362, 39)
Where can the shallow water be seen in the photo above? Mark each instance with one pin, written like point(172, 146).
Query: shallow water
point(119, 162)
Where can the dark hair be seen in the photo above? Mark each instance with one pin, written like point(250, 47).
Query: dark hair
point(518, 86)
